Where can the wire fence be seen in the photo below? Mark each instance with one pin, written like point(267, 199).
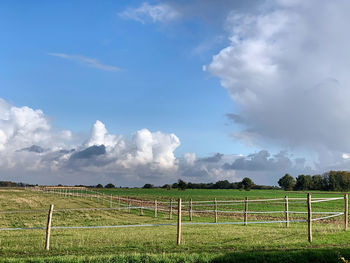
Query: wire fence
point(191, 207)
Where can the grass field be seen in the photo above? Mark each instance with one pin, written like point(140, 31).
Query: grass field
point(200, 243)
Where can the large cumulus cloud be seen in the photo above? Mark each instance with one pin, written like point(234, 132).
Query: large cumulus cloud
point(287, 69)
point(31, 151)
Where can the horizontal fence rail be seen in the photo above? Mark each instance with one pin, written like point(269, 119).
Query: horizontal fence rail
point(210, 208)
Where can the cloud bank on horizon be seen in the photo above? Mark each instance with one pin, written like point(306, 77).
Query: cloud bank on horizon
point(31, 151)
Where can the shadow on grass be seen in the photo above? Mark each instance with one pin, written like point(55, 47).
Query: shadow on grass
point(297, 256)
point(293, 256)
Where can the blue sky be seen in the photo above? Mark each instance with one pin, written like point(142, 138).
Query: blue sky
point(161, 85)
point(135, 92)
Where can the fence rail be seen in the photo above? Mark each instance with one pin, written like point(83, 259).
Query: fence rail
point(122, 203)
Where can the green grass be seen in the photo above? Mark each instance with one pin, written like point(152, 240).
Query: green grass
point(200, 243)
point(296, 256)
point(208, 194)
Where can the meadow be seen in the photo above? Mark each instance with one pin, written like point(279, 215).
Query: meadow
point(200, 243)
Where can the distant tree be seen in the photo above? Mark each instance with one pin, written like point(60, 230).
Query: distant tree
point(191, 185)
point(234, 185)
point(109, 185)
point(287, 182)
point(148, 186)
point(99, 186)
point(181, 184)
point(247, 183)
point(317, 182)
point(303, 182)
point(337, 181)
point(222, 185)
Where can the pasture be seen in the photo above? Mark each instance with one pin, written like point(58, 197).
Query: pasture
point(200, 243)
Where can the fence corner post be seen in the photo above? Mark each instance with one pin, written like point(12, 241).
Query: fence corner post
point(48, 228)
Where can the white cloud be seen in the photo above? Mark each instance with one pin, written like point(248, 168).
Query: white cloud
point(31, 151)
point(22, 127)
point(99, 135)
point(287, 70)
point(190, 158)
point(345, 156)
point(151, 13)
point(151, 148)
point(91, 62)
point(27, 143)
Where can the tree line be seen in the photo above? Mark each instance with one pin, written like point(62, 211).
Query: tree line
point(245, 184)
point(13, 184)
point(330, 181)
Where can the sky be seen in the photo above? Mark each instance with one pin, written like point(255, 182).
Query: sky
point(135, 92)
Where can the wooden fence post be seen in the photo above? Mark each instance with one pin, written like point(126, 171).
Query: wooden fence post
point(110, 202)
point(155, 208)
point(129, 210)
point(179, 222)
point(190, 212)
point(246, 211)
point(141, 206)
point(309, 218)
point(346, 211)
point(286, 210)
point(216, 210)
point(48, 228)
point(171, 209)
point(118, 202)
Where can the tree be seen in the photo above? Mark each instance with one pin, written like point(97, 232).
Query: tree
point(109, 185)
point(303, 182)
point(148, 186)
point(337, 180)
point(222, 185)
point(287, 182)
point(317, 182)
point(181, 184)
point(247, 183)
point(99, 186)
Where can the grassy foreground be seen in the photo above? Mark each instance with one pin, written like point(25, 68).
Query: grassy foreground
point(201, 243)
